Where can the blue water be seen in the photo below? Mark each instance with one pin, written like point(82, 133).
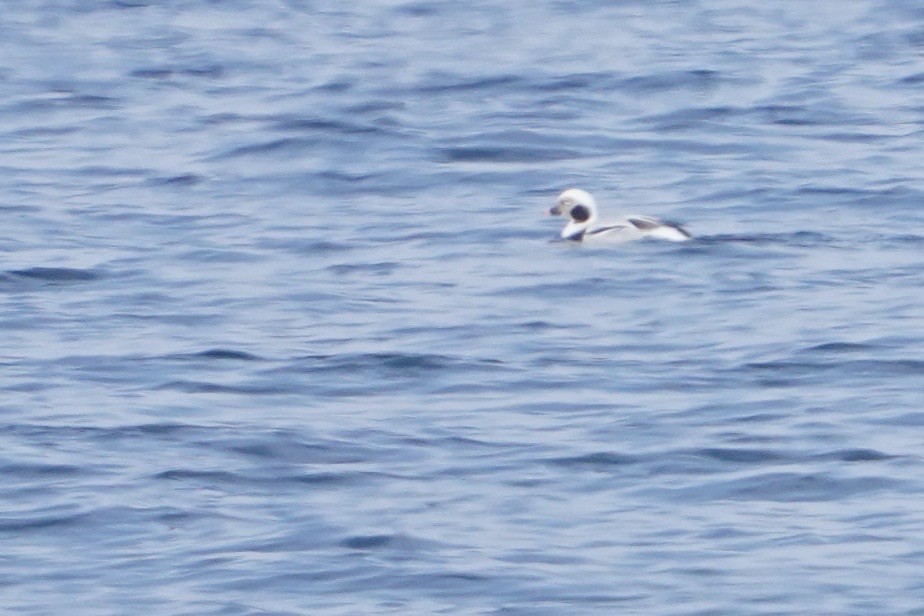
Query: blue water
point(285, 331)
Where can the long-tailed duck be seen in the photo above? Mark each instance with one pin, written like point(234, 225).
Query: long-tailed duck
point(585, 226)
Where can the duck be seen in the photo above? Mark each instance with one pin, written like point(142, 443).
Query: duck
point(585, 226)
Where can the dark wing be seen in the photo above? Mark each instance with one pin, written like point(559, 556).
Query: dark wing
point(600, 230)
point(648, 224)
point(645, 224)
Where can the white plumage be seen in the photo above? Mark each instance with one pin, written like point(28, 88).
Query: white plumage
point(585, 226)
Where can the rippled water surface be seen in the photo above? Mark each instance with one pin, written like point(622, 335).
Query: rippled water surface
point(285, 331)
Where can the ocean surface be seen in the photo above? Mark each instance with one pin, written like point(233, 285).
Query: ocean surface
point(284, 329)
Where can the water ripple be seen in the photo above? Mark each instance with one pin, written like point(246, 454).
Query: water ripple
point(56, 274)
point(283, 328)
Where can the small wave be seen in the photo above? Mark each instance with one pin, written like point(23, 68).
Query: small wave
point(286, 144)
point(290, 448)
point(401, 362)
point(562, 290)
point(576, 82)
point(378, 541)
point(303, 247)
point(367, 542)
point(154, 429)
point(161, 73)
point(739, 455)
point(839, 347)
point(540, 325)
point(511, 154)
point(378, 269)
point(32, 471)
point(185, 179)
point(905, 239)
point(287, 124)
point(787, 487)
point(56, 274)
point(859, 455)
point(67, 99)
point(442, 83)
point(91, 101)
point(796, 238)
point(216, 477)
point(212, 477)
point(596, 461)
point(41, 131)
point(226, 354)
point(20, 525)
point(152, 73)
point(202, 387)
point(689, 118)
point(515, 146)
point(698, 79)
point(855, 367)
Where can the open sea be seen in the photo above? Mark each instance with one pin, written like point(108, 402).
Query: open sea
point(284, 329)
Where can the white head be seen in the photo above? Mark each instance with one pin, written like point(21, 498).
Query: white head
point(580, 206)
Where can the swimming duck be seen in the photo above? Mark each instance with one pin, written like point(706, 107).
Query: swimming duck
point(584, 224)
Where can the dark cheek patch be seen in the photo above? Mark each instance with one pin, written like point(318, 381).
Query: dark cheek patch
point(580, 213)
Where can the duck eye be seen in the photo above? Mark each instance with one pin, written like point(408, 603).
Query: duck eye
point(580, 213)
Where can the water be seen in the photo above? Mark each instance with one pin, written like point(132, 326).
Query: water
point(285, 331)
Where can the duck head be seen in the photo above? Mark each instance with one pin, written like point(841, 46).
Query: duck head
point(580, 206)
